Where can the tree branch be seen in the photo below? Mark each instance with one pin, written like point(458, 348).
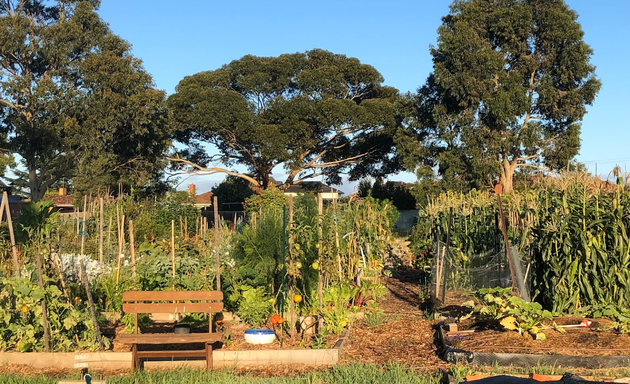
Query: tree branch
point(199, 170)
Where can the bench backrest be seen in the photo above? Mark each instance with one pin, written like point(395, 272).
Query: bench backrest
point(172, 302)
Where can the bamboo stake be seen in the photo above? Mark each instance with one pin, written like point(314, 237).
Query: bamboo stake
point(40, 281)
point(86, 283)
point(181, 228)
point(132, 249)
point(337, 240)
point(185, 228)
point(4, 208)
point(217, 229)
point(100, 233)
point(173, 250)
point(320, 280)
point(121, 245)
point(109, 234)
point(292, 280)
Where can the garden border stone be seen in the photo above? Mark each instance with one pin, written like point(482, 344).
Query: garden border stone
point(221, 358)
point(452, 355)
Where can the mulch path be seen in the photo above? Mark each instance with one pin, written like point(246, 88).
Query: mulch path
point(405, 338)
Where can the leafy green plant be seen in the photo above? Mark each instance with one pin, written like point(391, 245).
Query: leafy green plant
point(254, 306)
point(375, 319)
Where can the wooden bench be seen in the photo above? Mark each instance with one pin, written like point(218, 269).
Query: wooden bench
point(171, 302)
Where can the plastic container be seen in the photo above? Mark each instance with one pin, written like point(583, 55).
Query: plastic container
point(260, 336)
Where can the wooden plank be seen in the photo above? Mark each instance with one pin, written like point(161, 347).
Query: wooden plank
point(171, 295)
point(170, 338)
point(171, 354)
point(172, 307)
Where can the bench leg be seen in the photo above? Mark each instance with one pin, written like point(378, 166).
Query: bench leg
point(134, 357)
point(208, 356)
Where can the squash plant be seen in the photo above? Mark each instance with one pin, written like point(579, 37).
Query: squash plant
point(70, 325)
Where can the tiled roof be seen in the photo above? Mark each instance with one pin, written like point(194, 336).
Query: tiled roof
point(62, 200)
point(204, 198)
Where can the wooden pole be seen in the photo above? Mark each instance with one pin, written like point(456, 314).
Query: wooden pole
point(84, 277)
point(121, 245)
point(185, 228)
point(132, 249)
point(337, 240)
point(40, 281)
point(6, 209)
point(320, 280)
point(100, 233)
point(173, 250)
point(217, 234)
point(181, 228)
point(292, 278)
point(506, 241)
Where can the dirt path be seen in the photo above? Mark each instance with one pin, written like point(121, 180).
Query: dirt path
point(406, 337)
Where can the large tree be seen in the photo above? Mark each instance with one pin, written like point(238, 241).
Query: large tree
point(510, 85)
point(74, 102)
point(315, 113)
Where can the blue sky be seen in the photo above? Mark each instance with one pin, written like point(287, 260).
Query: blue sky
point(176, 39)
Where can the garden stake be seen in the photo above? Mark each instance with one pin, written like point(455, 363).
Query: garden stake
point(132, 249)
point(173, 250)
point(100, 233)
point(40, 281)
point(121, 244)
point(86, 283)
point(507, 243)
point(320, 282)
point(292, 329)
point(284, 265)
point(217, 224)
point(5, 205)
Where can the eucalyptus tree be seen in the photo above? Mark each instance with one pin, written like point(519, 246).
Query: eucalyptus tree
point(74, 101)
point(510, 84)
point(314, 113)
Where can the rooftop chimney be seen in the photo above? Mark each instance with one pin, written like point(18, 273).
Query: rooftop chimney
point(62, 191)
point(192, 190)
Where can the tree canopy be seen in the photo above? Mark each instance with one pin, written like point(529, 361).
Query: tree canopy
point(74, 102)
point(510, 84)
point(314, 113)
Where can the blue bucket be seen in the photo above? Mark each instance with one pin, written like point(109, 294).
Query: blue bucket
point(255, 331)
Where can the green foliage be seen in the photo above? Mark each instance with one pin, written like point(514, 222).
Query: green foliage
point(254, 306)
point(75, 101)
point(271, 198)
point(21, 318)
point(232, 190)
point(314, 112)
point(510, 84)
point(337, 306)
point(401, 195)
point(338, 374)
point(513, 312)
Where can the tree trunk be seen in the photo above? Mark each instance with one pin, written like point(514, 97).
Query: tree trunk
point(34, 184)
point(507, 175)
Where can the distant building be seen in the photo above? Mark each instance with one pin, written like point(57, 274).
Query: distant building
point(63, 202)
point(328, 192)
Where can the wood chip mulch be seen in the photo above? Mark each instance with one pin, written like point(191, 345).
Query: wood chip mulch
point(407, 337)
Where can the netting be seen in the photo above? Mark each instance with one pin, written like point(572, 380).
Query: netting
point(454, 273)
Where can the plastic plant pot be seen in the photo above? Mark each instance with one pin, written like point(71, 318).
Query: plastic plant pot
point(260, 336)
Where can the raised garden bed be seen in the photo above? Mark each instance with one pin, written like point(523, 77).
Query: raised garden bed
point(477, 344)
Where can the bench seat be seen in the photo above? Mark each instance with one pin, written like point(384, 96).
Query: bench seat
point(137, 302)
point(169, 338)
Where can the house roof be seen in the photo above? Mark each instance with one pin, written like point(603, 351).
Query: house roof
point(204, 199)
point(62, 200)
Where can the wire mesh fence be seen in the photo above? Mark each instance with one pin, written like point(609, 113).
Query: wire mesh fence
point(453, 273)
